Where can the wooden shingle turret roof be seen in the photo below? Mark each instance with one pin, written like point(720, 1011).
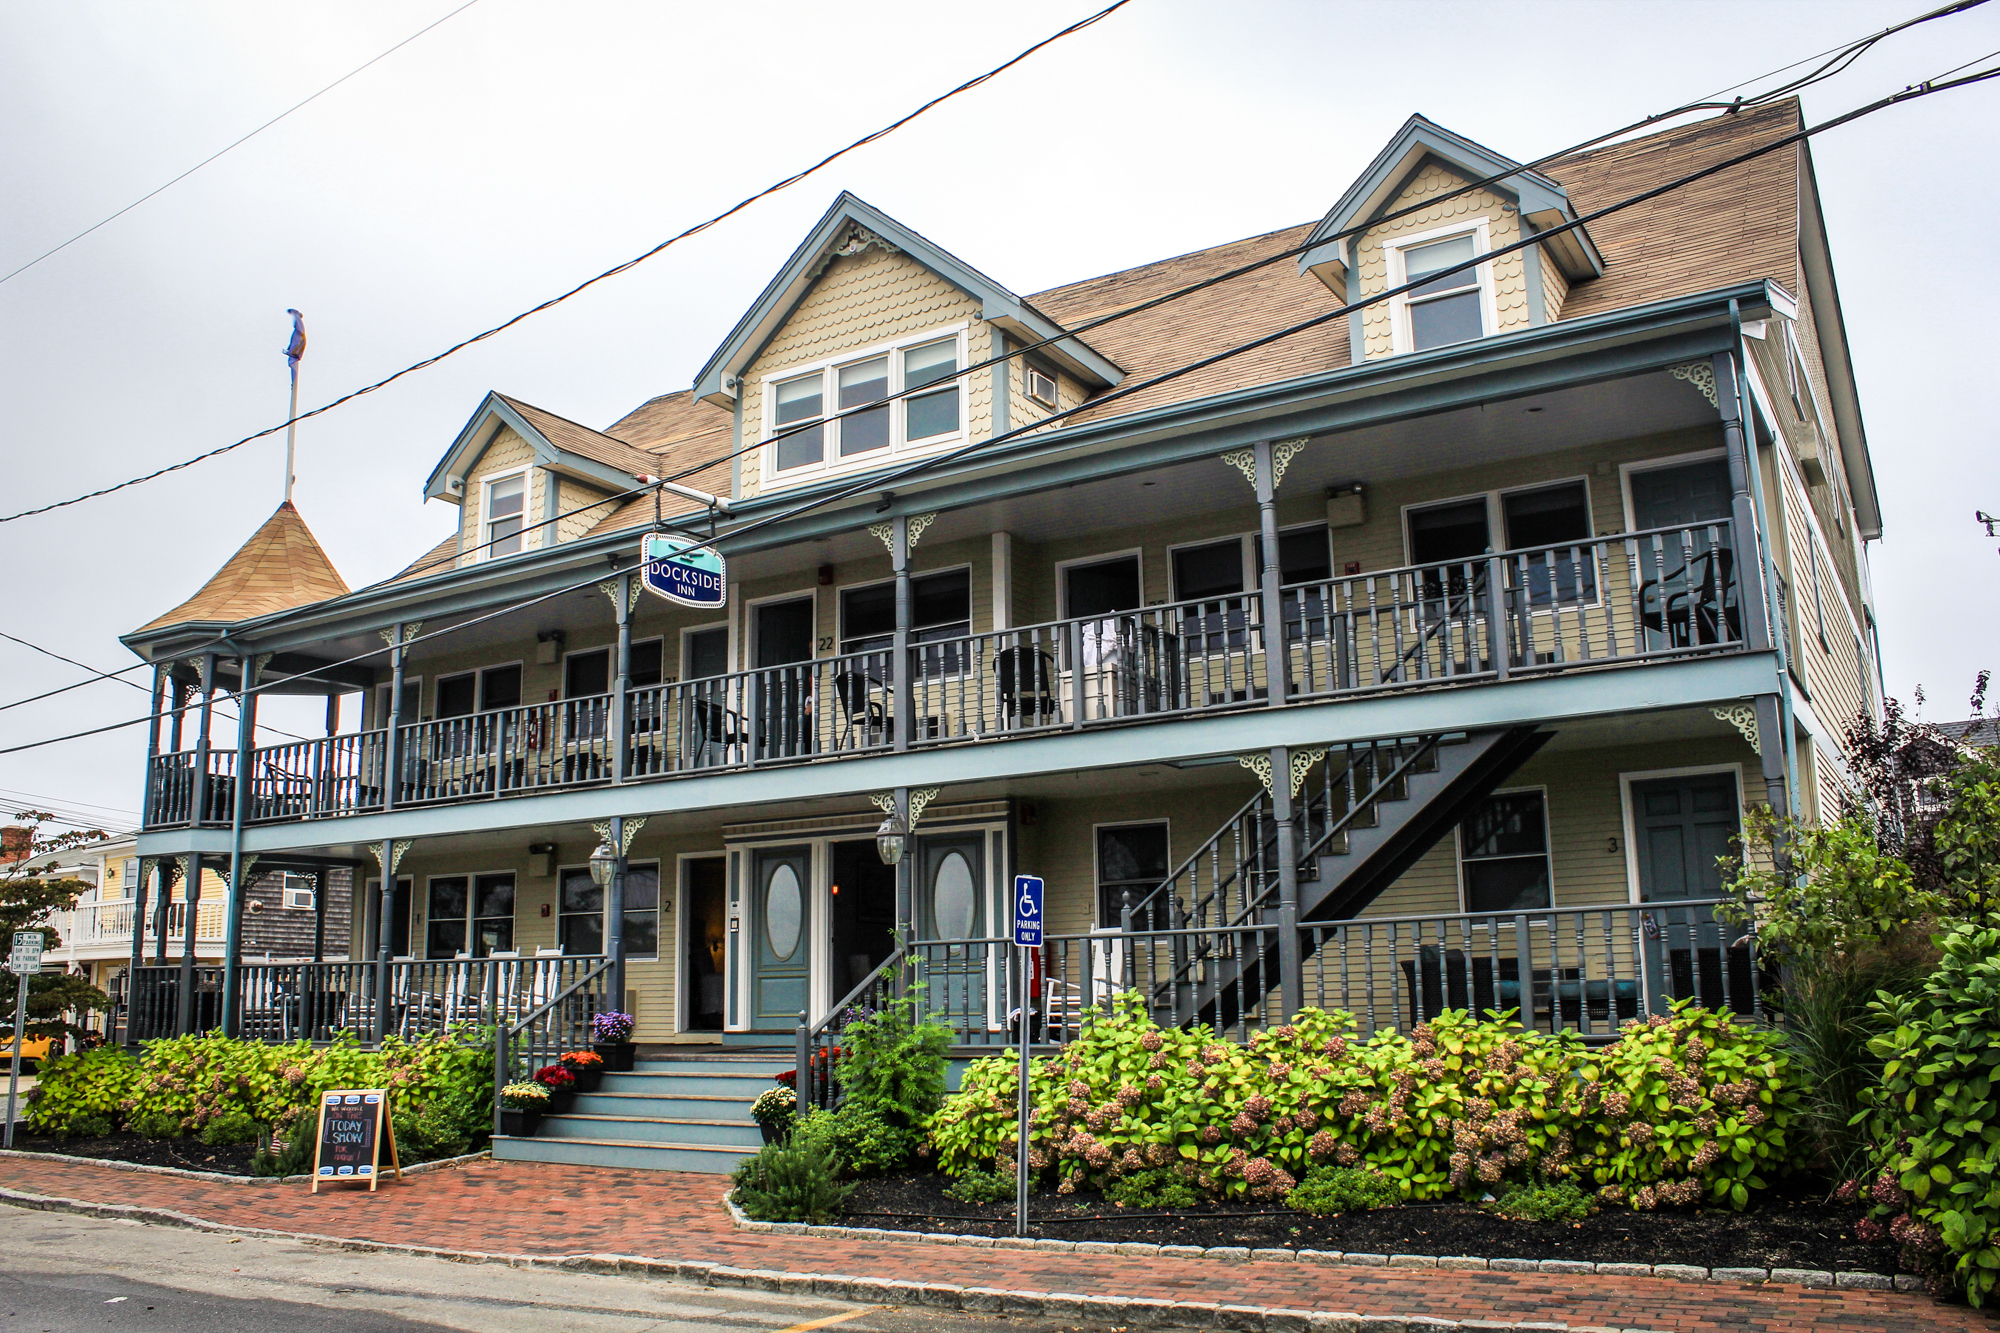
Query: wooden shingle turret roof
point(282, 566)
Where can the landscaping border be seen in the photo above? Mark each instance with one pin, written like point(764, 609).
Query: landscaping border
point(1805, 1277)
point(116, 1165)
point(1132, 1311)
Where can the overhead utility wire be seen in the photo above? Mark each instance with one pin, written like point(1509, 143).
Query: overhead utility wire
point(238, 144)
point(1853, 49)
point(97, 675)
point(1911, 93)
point(731, 211)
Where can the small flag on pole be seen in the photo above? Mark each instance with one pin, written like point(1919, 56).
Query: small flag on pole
point(295, 350)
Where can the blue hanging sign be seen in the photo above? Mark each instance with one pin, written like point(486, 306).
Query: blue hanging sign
point(684, 571)
point(1028, 911)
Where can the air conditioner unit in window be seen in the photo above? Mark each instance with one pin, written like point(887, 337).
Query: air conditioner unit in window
point(299, 899)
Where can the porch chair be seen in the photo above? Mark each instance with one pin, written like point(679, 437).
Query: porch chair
point(1026, 685)
point(861, 700)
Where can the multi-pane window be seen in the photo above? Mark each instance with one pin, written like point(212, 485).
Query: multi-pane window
point(506, 503)
point(1131, 861)
point(705, 652)
point(940, 608)
point(582, 923)
point(476, 908)
point(1504, 854)
point(1446, 309)
point(1459, 533)
point(801, 405)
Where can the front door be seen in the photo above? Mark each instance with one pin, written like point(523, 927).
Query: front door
point(781, 690)
point(1687, 595)
point(951, 911)
point(781, 957)
point(1680, 827)
point(704, 910)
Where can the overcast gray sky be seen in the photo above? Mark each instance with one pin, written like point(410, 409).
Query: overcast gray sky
point(520, 147)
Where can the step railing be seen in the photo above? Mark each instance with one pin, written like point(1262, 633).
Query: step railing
point(155, 1002)
point(550, 1026)
point(818, 1048)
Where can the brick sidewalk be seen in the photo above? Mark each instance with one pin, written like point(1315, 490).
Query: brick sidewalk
point(528, 1208)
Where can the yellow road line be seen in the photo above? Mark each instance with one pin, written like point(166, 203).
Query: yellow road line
point(822, 1323)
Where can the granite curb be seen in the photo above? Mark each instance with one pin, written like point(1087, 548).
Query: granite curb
point(1131, 1311)
point(1804, 1277)
point(186, 1174)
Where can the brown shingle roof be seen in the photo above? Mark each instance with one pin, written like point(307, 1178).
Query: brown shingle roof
point(678, 431)
point(436, 559)
point(572, 438)
point(280, 567)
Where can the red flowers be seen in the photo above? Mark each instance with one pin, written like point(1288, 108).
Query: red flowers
point(555, 1078)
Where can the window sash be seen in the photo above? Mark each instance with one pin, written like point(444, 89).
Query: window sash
point(919, 420)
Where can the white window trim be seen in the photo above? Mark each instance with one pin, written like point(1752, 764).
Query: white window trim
point(1629, 817)
point(749, 634)
point(1096, 870)
point(653, 861)
point(483, 524)
point(1137, 553)
point(1401, 340)
point(729, 658)
point(1625, 471)
point(898, 447)
point(610, 651)
point(1548, 848)
point(420, 917)
point(478, 675)
point(840, 634)
point(1496, 526)
point(1029, 370)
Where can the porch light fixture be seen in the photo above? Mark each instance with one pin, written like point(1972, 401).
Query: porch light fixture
point(602, 862)
point(889, 840)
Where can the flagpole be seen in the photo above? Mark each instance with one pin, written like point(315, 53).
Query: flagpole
point(292, 433)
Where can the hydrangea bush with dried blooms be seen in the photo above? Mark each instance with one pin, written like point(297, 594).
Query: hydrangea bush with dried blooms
point(1677, 1110)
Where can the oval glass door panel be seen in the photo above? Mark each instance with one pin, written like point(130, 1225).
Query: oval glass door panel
point(953, 899)
point(783, 910)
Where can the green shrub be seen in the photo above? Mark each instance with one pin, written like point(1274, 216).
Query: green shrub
point(96, 1127)
point(75, 1090)
point(156, 1125)
point(894, 1065)
point(979, 1185)
point(857, 1139)
point(1152, 1188)
point(427, 1131)
point(1560, 1202)
point(1931, 1119)
point(790, 1182)
point(230, 1127)
point(1341, 1189)
point(283, 1157)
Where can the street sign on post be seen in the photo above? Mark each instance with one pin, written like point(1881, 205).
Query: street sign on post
point(1027, 939)
point(25, 961)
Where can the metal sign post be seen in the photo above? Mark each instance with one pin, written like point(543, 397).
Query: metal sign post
point(25, 961)
point(1027, 939)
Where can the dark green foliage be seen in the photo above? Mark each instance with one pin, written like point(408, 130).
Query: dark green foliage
point(857, 1139)
point(231, 1127)
point(893, 1065)
point(155, 1125)
point(290, 1157)
point(96, 1127)
point(1152, 1188)
point(979, 1185)
point(1560, 1202)
point(429, 1130)
point(81, 1089)
point(790, 1182)
point(1338, 1189)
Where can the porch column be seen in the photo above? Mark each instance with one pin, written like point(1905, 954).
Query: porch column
point(1749, 540)
point(614, 914)
point(179, 710)
point(621, 741)
point(185, 1016)
point(899, 667)
point(906, 914)
point(1277, 660)
point(319, 912)
point(163, 910)
point(232, 949)
point(1771, 751)
point(392, 742)
point(156, 706)
point(1291, 964)
point(146, 868)
point(385, 928)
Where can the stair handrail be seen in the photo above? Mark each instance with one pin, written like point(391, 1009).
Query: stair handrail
point(810, 1033)
point(1166, 884)
point(505, 1032)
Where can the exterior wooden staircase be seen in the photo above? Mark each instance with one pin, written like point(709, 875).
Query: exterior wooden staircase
point(676, 1113)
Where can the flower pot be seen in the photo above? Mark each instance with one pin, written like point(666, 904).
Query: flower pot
point(774, 1133)
point(520, 1124)
point(561, 1100)
point(587, 1076)
point(617, 1055)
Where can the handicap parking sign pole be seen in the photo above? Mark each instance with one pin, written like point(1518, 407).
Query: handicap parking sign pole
point(1027, 938)
point(24, 962)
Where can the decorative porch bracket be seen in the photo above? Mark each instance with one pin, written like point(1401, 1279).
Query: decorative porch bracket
point(633, 823)
point(1743, 717)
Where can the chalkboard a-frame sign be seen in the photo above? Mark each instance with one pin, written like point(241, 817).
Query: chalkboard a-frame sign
point(353, 1125)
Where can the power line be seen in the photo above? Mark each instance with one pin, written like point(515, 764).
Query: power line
point(731, 211)
point(118, 676)
point(64, 689)
point(1912, 93)
point(238, 144)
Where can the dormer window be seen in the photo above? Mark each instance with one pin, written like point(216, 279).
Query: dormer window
point(855, 382)
point(506, 501)
point(1450, 308)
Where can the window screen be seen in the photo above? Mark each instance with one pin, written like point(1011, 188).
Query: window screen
point(1444, 310)
point(800, 401)
point(930, 414)
point(1455, 531)
point(1547, 515)
point(1214, 570)
point(707, 652)
point(1129, 857)
point(1504, 854)
point(1101, 588)
point(861, 384)
point(645, 663)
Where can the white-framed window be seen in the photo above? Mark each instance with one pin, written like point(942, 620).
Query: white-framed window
point(580, 928)
point(1456, 307)
point(801, 400)
point(1041, 383)
point(1131, 861)
point(503, 514)
point(1503, 853)
point(1550, 517)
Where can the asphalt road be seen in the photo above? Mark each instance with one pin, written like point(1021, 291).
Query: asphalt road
point(65, 1274)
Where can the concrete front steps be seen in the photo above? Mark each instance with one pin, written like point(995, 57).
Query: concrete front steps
point(676, 1113)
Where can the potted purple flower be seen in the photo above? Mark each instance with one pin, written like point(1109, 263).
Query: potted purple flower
point(612, 1039)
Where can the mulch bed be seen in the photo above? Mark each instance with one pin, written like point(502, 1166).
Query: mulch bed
point(1795, 1227)
point(187, 1154)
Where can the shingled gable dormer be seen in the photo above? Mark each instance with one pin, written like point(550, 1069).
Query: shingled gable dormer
point(866, 308)
point(515, 465)
point(1515, 291)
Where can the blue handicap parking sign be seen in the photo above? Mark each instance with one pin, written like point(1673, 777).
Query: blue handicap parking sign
point(1028, 911)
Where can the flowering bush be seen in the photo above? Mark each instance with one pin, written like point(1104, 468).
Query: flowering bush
point(82, 1093)
point(581, 1059)
point(524, 1097)
point(1454, 1108)
point(556, 1078)
point(611, 1027)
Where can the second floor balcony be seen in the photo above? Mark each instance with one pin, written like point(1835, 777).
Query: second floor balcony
point(1609, 602)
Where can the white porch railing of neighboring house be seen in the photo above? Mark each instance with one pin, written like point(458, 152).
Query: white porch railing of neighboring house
point(1627, 599)
point(96, 924)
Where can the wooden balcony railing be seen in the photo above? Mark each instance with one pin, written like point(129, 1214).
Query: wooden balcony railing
point(1618, 600)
